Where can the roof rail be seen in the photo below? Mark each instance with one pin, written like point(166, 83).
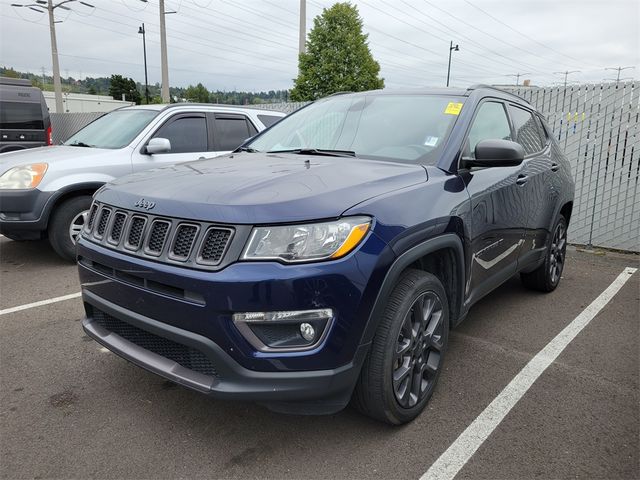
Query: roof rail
point(491, 87)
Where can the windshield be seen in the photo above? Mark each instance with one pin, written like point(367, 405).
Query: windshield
point(406, 128)
point(114, 130)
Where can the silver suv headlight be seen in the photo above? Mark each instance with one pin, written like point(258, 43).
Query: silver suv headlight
point(23, 176)
point(303, 243)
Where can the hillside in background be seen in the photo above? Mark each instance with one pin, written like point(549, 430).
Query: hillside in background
point(100, 86)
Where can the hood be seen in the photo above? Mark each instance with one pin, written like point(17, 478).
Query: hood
point(254, 188)
point(51, 155)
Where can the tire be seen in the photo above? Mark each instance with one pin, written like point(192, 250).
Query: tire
point(422, 338)
point(547, 276)
point(71, 211)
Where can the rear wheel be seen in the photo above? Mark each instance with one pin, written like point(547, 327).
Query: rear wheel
point(405, 360)
point(66, 224)
point(547, 276)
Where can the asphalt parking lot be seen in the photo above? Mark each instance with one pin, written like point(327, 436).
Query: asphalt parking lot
point(70, 409)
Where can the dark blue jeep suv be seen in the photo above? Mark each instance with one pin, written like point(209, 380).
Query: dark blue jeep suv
point(326, 260)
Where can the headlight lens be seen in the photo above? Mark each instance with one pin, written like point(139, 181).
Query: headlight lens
point(302, 243)
point(23, 176)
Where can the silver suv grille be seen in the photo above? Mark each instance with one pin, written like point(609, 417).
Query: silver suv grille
point(164, 239)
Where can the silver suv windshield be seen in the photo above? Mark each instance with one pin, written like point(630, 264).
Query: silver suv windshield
point(114, 130)
point(405, 128)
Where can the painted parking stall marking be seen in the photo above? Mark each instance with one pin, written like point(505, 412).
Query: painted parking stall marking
point(40, 303)
point(462, 449)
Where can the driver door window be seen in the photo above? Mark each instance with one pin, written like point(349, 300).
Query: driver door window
point(187, 134)
point(491, 123)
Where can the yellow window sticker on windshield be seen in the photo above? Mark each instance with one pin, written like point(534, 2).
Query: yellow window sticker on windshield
point(453, 108)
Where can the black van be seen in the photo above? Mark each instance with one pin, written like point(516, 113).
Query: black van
point(24, 116)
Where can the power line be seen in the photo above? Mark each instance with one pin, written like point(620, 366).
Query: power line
point(619, 70)
point(520, 33)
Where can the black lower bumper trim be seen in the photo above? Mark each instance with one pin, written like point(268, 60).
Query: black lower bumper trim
point(315, 391)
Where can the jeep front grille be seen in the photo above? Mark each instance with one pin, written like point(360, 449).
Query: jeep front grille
point(194, 244)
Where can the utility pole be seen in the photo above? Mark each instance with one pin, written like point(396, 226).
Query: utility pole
point(40, 6)
point(57, 84)
point(452, 48)
point(144, 50)
point(163, 55)
point(566, 74)
point(518, 75)
point(302, 34)
point(619, 70)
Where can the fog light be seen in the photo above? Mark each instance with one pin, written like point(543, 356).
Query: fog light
point(307, 331)
point(285, 330)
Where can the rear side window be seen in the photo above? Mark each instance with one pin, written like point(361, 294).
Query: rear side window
point(268, 120)
point(491, 123)
point(186, 134)
point(232, 131)
point(18, 115)
point(527, 132)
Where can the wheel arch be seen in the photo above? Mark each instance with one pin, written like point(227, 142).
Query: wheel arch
point(442, 256)
point(64, 194)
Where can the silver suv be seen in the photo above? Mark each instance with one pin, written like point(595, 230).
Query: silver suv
point(46, 192)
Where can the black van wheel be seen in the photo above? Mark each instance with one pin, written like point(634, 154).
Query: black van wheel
point(405, 360)
point(66, 224)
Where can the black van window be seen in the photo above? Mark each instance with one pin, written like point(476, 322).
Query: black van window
point(24, 116)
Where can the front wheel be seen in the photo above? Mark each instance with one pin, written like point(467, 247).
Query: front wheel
point(405, 360)
point(66, 224)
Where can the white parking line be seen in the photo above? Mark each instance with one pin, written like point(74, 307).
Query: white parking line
point(40, 303)
point(462, 449)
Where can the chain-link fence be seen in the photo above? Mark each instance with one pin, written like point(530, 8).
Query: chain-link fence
point(63, 125)
point(597, 127)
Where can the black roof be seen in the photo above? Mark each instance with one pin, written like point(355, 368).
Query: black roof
point(462, 92)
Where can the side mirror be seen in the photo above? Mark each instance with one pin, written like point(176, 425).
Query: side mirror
point(158, 145)
point(496, 153)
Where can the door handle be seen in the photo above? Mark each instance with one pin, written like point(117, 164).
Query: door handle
point(522, 179)
point(554, 167)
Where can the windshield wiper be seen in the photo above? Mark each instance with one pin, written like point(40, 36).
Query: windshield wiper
point(318, 151)
point(80, 144)
point(246, 149)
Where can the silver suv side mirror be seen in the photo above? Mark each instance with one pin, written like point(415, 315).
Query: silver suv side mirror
point(158, 145)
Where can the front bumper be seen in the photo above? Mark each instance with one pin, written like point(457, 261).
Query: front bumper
point(212, 371)
point(172, 305)
point(23, 212)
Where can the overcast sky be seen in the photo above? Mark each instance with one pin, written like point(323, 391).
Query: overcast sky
point(252, 44)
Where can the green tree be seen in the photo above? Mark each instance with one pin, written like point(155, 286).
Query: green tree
point(337, 56)
point(119, 85)
point(198, 94)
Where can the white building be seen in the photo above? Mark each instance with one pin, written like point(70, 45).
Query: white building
point(80, 102)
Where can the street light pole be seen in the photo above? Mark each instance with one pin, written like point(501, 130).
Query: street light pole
point(144, 49)
point(452, 48)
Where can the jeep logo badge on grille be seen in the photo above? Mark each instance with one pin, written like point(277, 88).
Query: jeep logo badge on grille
point(142, 203)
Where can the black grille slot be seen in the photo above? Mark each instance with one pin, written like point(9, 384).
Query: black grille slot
point(92, 217)
point(158, 235)
point(134, 239)
point(186, 356)
point(104, 220)
point(183, 241)
point(214, 246)
point(117, 227)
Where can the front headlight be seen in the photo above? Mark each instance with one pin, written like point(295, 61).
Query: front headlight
point(302, 243)
point(23, 176)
